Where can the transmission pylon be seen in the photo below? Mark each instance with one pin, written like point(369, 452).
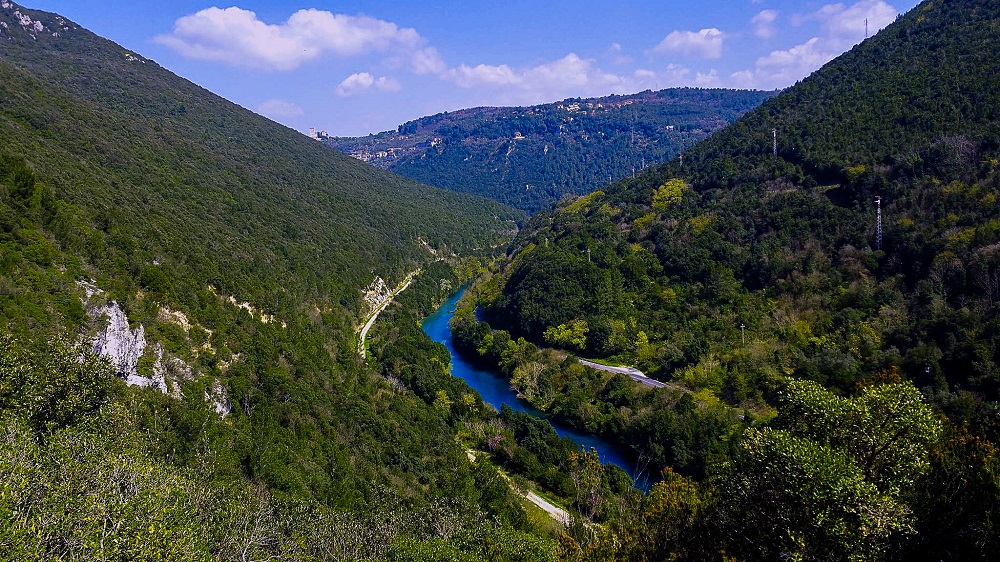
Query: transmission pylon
point(878, 222)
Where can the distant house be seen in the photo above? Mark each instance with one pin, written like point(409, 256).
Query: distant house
point(318, 135)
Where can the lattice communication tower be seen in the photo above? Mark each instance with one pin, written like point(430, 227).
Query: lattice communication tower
point(878, 222)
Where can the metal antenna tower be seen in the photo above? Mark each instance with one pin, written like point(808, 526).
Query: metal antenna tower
point(774, 135)
point(878, 222)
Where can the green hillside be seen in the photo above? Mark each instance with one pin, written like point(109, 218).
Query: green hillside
point(239, 252)
point(214, 191)
point(755, 284)
point(529, 157)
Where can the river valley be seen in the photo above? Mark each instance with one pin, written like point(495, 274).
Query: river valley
point(495, 390)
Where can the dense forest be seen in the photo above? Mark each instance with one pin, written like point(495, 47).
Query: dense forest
point(795, 319)
point(236, 254)
point(529, 157)
point(831, 389)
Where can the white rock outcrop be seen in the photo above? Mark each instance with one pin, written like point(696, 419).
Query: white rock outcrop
point(376, 294)
point(123, 345)
point(217, 397)
point(169, 373)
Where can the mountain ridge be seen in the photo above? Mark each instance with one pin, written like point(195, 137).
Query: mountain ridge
point(187, 135)
point(230, 256)
point(531, 156)
point(770, 285)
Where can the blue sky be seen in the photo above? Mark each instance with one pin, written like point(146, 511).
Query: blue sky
point(352, 67)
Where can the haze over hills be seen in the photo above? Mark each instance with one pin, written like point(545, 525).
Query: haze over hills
point(529, 157)
point(765, 284)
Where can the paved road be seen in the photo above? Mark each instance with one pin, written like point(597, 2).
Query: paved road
point(557, 513)
point(371, 321)
point(554, 511)
point(632, 372)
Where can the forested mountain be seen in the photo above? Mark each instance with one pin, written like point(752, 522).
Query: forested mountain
point(794, 322)
point(529, 157)
point(211, 189)
point(222, 261)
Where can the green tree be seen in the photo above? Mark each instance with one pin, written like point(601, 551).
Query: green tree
point(669, 194)
point(586, 471)
point(829, 479)
point(55, 387)
point(887, 429)
point(787, 497)
point(571, 335)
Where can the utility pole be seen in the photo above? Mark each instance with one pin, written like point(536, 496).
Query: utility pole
point(878, 222)
point(743, 333)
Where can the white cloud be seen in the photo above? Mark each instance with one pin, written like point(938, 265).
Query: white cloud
point(707, 80)
point(427, 61)
point(704, 44)
point(763, 24)
point(237, 37)
point(644, 74)
point(617, 55)
point(362, 81)
point(673, 75)
point(483, 74)
point(387, 84)
point(841, 28)
point(279, 108)
point(570, 70)
point(848, 24)
point(568, 76)
point(743, 79)
point(783, 68)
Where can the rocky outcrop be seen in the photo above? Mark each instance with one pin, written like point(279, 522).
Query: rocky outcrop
point(216, 396)
point(169, 372)
point(123, 345)
point(376, 294)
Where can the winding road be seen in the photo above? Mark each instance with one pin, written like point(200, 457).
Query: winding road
point(633, 373)
point(554, 511)
point(371, 319)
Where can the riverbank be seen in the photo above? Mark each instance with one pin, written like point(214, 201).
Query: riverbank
point(662, 424)
point(495, 390)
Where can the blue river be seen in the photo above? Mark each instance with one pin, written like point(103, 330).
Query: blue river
point(495, 390)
